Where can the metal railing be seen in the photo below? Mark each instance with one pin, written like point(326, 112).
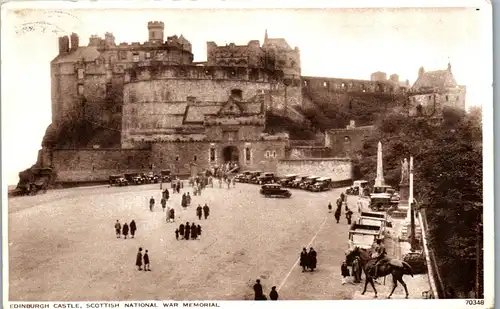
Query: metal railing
point(435, 279)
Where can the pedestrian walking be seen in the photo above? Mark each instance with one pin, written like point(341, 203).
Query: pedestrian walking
point(181, 230)
point(188, 199)
point(304, 259)
point(172, 215)
point(199, 230)
point(138, 260)
point(274, 294)
point(312, 257)
point(344, 271)
point(199, 211)
point(133, 228)
point(194, 232)
point(125, 230)
point(329, 207)
point(187, 231)
point(348, 216)
point(118, 229)
point(337, 214)
point(151, 203)
point(206, 211)
point(176, 234)
point(146, 261)
point(163, 203)
point(257, 288)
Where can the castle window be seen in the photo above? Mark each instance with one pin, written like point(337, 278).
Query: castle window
point(80, 89)
point(80, 74)
point(305, 83)
point(212, 155)
point(148, 55)
point(237, 93)
point(446, 98)
point(274, 154)
point(248, 154)
point(195, 158)
point(135, 57)
point(109, 74)
point(123, 55)
point(268, 154)
point(342, 86)
point(324, 84)
point(97, 62)
point(176, 158)
point(430, 97)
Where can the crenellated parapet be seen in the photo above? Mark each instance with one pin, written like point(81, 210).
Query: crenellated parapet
point(343, 85)
point(159, 70)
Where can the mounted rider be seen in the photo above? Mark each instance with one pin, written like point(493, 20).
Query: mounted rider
point(380, 254)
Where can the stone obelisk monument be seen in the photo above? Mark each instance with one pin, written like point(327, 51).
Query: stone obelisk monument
point(379, 180)
point(410, 193)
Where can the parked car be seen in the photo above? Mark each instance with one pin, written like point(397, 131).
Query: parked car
point(297, 181)
point(322, 184)
point(117, 180)
point(242, 176)
point(152, 178)
point(274, 190)
point(286, 181)
point(134, 179)
point(253, 177)
point(166, 175)
point(309, 181)
point(266, 178)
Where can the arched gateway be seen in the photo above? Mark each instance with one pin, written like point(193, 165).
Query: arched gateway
point(230, 154)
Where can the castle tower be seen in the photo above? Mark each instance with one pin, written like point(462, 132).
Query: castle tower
point(421, 71)
point(156, 29)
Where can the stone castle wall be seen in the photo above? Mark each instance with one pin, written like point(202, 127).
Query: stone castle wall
point(345, 142)
point(338, 169)
point(433, 102)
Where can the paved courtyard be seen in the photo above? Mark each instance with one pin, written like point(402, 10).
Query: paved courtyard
point(62, 246)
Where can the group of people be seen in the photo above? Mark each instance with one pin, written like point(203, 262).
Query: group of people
point(140, 258)
point(308, 260)
point(177, 185)
point(125, 229)
point(205, 210)
point(259, 293)
point(185, 200)
point(184, 231)
point(342, 200)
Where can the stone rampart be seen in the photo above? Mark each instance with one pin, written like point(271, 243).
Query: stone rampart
point(338, 169)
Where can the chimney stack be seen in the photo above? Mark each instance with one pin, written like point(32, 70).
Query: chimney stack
point(63, 45)
point(75, 41)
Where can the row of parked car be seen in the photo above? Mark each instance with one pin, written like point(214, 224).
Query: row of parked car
point(310, 183)
point(139, 178)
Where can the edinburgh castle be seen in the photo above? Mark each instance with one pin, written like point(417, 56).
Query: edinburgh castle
point(148, 106)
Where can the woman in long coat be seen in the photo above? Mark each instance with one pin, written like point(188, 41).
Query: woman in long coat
point(181, 230)
point(337, 214)
point(125, 230)
point(133, 228)
point(312, 259)
point(304, 259)
point(138, 260)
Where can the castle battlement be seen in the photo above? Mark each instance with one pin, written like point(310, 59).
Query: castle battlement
point(350, 85)
point(158, 70)
point(156, 24)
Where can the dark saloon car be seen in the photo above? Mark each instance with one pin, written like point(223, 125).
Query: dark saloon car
point(253, 177)
point(134, 179)
point(286, 181)
point(166, 176)
point(297, 181)
point(308, 182)
point(117, 180)
point(242, 177)
point(266, 178)
point(274, 190)
point(322, 184)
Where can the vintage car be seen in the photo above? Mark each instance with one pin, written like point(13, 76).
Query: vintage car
point(242, 177)
point(358, 187)
point(274, 190)
point(266, 178)
point(321, 184)
point(308, 182)
point(166, 175)
point(134, 179)
point(286, 181)
point(297, 181)
point(253, 177)
point(117, 180)
point(151, 177)
point(380, 199)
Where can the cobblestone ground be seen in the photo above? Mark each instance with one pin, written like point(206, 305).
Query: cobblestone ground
point(62, 246)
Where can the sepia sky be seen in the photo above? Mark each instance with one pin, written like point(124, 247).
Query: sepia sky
point(344, 43)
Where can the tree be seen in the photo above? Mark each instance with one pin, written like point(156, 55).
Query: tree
point(448, 173)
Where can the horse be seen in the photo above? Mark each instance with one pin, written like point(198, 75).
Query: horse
point(356, 271)
point(395, 267)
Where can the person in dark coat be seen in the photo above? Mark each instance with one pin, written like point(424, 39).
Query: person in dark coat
point(133, 228)
point(199, 211)
point(206, 211)
point(199, 230)
point(187, 231)
point(184, 200)
point(146, 261)
point(304, 259)
point(166, 194)
point(338, 213)
point(151, 203)
point(177, 234)
point(257, 288)
point(348, 216)
point(188, 199)
point(312, 259)
point(163, 203)
point(329, 207)
point(194, 232)
point(182, 230)
point(274, 294)
point(344, 271)
point(342, 196)
point(138, 260)
point(118, 229)
point(172, 215)
point(125, 230)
